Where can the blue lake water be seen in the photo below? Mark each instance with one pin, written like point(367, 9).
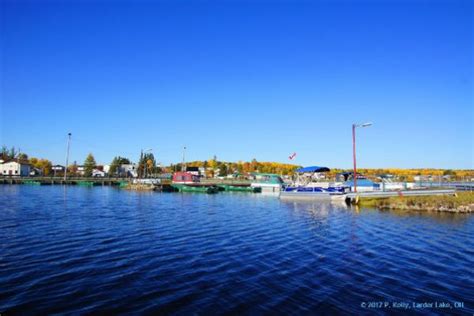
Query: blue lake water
point(104, 250)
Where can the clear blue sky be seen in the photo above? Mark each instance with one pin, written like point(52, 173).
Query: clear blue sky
point(240, 80)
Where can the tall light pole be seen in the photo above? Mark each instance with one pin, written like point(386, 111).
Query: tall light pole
point(67, 155)
point(354, 149)
point(183, 167)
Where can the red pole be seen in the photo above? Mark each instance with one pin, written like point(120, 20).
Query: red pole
point(354, 156)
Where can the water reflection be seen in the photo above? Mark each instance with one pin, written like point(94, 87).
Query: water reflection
point(316, 209)
point(440, 217)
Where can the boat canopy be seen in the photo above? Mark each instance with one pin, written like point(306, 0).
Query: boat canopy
point(313, 169)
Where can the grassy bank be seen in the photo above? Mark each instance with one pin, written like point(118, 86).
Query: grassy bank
point(462, 203)
point(139, 187)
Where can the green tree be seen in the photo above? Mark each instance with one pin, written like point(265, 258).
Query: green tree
point(116, 163)
point(223, 170)
point(22, 157)
point(4, 153)
point(448, 172)
point(8, 154)
point(89, 165)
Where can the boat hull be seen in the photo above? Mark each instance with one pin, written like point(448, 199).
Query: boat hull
point(312, 196)
point(195, 188)
point(31, 182)
point(239, 188)
point(314, 193)
point(85, 183)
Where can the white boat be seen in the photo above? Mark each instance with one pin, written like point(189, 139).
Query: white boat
point(147, 181)
point(269, 183)
point(306, 186)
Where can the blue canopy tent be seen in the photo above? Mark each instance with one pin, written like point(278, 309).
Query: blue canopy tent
point(313, 169)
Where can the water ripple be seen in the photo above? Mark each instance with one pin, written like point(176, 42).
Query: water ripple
point(103, 250)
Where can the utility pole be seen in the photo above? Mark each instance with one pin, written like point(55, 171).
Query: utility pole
point(142, 156)
point(354, 150)
point(183, 167)
point(354, 156)
point(67, 155)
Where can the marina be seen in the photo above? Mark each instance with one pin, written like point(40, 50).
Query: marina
point(266, 184)
point(236, 158)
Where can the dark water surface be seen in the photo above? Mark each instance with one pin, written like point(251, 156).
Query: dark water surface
point(97, 250)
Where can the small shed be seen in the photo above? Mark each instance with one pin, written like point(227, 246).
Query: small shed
point(14, 168)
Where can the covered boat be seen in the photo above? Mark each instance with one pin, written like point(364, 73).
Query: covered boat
point(267, 182)
point(188, 182)
point(311, 183)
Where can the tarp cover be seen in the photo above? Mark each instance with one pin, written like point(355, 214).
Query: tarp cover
point(313, 169)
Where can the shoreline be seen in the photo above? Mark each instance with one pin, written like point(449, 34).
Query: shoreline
point(462, 202)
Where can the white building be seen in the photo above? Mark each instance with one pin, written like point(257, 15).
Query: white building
point(14, 168)
point(98, 173)
point(81, 170)
point(36, 172)
point(128, 170)
point(194, 171)
point(57, 168)
point(106, 169)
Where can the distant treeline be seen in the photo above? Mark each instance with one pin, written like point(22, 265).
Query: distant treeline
point(410, 174)
point(214, 167)
point(222, 168)
point(147, 165)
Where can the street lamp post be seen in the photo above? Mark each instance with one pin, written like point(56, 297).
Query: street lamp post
point(67, 156)
point(183, 167)
point(354, 126)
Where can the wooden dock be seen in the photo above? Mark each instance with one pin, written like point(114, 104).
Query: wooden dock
point(127, 183)
point(61, 181)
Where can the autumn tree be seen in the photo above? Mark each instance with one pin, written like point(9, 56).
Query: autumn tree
point(254, 165)
point(45, 166)
point(42, 164)
point(72, 169)
point(146, 164)
point(212, 163)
